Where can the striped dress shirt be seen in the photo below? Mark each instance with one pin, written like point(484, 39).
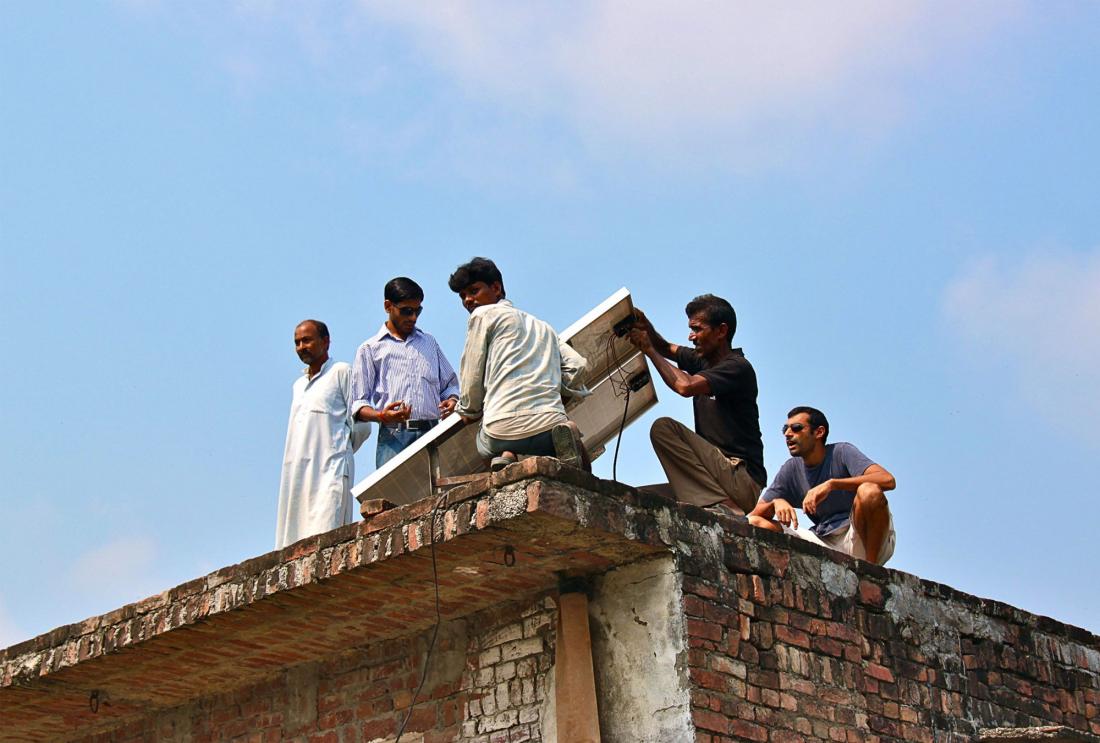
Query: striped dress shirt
point(414, 370)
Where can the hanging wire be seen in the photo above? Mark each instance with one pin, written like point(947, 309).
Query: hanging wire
point(621, 388)
point(435, 630)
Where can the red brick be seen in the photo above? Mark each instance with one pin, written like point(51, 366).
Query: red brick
point(706, 630)
point(708, 720)
point(871, 594)
point(749, 730)
point(874, 670)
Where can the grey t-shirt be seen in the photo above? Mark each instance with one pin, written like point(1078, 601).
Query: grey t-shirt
point(795, 479)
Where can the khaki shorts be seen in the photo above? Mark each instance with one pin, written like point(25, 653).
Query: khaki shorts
point(847, 541)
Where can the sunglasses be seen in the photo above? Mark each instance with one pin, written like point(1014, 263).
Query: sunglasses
point(410, 311)
point(795, 427)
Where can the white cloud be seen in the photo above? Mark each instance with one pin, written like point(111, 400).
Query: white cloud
point(1039, 320)
point(696, 74)
point(489, 88)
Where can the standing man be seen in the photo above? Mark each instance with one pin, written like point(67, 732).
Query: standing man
point(401, 379)
point(514, 371)
point(318, 469)
point(840, 489)
point(722, 461)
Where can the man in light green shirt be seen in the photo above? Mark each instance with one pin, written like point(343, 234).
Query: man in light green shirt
point(513, 374)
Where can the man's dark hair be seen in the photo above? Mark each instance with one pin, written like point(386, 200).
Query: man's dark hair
point(322, 329)
point(817, 419)
point(715, 312)
point(402, 289)
point(478, 269)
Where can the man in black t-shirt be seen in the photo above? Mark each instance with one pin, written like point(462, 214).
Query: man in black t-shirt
point(722, 461)
point(838, 488)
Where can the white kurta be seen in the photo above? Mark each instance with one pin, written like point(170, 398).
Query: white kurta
point(318, 469)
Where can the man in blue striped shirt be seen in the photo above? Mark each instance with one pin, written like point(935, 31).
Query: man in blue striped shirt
point(400, 378)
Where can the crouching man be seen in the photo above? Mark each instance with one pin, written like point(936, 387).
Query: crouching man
point(513, 373)
point(836, 486)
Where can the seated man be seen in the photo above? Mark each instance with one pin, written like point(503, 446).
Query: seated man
point(719, 465)
point(840, 489)
point(513, 373)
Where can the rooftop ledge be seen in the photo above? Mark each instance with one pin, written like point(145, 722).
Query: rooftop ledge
point(517, 533)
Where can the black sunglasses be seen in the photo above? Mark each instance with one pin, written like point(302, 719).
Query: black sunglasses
point(796, 427)
point(410, 311)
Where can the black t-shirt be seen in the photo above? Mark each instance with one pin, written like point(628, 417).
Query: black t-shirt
point(728, 416)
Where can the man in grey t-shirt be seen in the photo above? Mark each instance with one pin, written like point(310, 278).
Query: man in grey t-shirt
point(839, 489)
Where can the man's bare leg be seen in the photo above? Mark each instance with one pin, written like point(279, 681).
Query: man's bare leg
point(871, 518)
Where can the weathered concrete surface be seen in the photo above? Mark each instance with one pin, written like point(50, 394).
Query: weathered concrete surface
point(639, 648)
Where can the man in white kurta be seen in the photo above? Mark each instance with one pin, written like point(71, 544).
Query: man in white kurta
point(318, 469)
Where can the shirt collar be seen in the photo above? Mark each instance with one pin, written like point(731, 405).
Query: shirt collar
point(384, 332)
point(324, 368)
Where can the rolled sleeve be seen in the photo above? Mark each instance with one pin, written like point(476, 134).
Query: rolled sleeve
point(472, 368)
point(448, 380)
point(362, 379)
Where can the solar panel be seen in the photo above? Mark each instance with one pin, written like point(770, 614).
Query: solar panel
point(448, 451)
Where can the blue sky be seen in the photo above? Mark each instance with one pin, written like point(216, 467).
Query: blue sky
point(899, 199)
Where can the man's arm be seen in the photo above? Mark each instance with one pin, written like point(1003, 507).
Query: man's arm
point(572, 368)
point(779, 510)
point(663, 347)
point(448, 394)
point(874, 474)
point(363, 377)
point(471, 374)
point(682, 383)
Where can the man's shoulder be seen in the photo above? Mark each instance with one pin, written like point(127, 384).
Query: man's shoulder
point(734, 359)
point(847, 456)
point(425, 337)
point(372, 341)
point(842, 448)
point(341, 367)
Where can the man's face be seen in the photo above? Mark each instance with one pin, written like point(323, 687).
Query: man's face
point(800, 437)
point(479, 293)
point(706, 338)
point(310, 346)
point(403, 315)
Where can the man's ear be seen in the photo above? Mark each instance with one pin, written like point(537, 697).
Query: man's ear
point(819, 432)
point(387, 305)
point(726, 328)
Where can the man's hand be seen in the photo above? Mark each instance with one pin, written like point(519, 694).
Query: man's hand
point(467, 419)
point(395, 412)
point(641, 322)
point(447, 407)
point(815, 495)
point(785, 513)
point(641, 340)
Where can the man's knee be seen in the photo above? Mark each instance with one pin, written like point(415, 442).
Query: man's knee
point(661, 430)
point(870, 498)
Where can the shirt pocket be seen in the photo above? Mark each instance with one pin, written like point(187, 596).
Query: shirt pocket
point(327, 403)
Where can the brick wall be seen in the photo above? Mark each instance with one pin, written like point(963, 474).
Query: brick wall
point(793, 643)
point(487, 683)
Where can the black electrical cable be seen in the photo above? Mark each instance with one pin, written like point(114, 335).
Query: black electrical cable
point(619, 439)
point(435, 630)
point(621, 387)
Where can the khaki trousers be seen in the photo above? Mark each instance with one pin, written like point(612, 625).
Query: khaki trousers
point(698, 471)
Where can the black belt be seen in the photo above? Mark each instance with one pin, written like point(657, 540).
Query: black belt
point(424, 425)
